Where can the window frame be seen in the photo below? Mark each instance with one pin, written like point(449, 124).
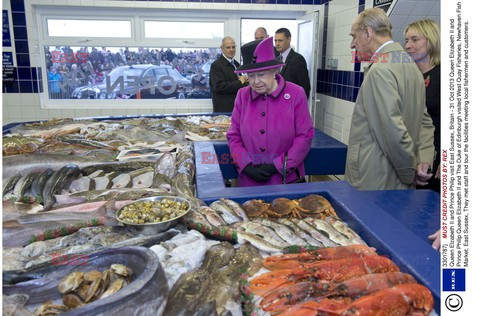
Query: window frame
point(137, 16)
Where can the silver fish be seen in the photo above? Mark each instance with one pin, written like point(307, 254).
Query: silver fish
point(333, 234)
point(318, 235)
point(300, 232)
point(266, 233)
point(24, 184)
point(236, 208)
point(39, 183)
point(259, 243)
point(227, 214)
point(212, 217)
point(344, 229)
point(283, 231)
point(9, 184)
point(195, 216)
point(59, 180)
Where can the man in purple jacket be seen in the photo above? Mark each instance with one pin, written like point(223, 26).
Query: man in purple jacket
point(270, 123)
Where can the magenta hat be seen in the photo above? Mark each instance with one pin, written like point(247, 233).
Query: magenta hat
point(262, 58)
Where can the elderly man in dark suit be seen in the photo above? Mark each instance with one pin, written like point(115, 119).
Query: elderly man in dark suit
point(295, 69)
point(224, 83)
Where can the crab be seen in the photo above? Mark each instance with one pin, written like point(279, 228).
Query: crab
point(316, 206)
point(278, 208)
point(255, 208)
point(283, 207)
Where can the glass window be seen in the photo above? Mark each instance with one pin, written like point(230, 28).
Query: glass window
point(200, 30)
point(88, 28)
point(127, 72)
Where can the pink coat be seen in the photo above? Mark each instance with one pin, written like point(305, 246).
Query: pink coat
point(264, 128)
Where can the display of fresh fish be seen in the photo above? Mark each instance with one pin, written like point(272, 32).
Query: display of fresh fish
point(166, 165)
point(143, 180)
point(85, 241)
point(24, 184)
point(9, 183)
point(26, 164)
point(78, 212)
point(318, 235)
point(59, 180)
point(266, 233)
point(123, 180)
point(161, 180)
point(236, 208)
point(39, 183)
point(119, 166)
point(344, 229)
point(283, 231)
point(81, 184)
point(212, 216)
point(195, 216)
point(300, 232)
point(333, 234)
point(187, 294)
point(16, 234)
point(227, 214)
point(225, 290)
point(258, 242)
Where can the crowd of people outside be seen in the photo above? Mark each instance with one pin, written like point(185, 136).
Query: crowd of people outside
point(68, 69)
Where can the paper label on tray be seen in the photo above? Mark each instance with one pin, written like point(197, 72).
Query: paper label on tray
point(459, 251)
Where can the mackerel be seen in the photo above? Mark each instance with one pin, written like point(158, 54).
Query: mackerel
point(318, 235)
point(227, 214)
point(258, 242)
point(266, 233)
point(300, 232)
point(9, 184)
point(283, 231)
point(39, 183)
point(333, 234)
point(59, 180)
point(236, 208)
point(23, 184)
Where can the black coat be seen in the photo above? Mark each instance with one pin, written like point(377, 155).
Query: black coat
point(224, 85)
point(296, 71)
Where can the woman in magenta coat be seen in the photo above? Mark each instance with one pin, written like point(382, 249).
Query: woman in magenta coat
point(270, 122)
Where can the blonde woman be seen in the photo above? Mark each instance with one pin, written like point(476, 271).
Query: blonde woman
point(422, 42)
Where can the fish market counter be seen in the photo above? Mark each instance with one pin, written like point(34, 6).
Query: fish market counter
point(396, 223)
point(213, 163)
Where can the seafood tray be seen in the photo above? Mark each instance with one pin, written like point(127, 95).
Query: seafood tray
point(327, 156)
point(145, 295)
point(366, 216)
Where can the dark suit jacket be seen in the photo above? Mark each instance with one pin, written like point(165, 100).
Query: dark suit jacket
point(296, 71)
point(224, 84)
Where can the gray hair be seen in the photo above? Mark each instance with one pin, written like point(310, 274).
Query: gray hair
point(377, 20)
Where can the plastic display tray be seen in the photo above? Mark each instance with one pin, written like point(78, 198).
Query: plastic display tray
point(396, 223)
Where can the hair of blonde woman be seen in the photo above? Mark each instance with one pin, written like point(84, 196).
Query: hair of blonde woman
point(377, 20)
point(431, 31)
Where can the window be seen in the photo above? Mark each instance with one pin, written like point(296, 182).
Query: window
point(88, 28)
point(199, 30)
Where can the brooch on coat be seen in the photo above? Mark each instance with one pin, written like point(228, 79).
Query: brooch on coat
point(286, 96)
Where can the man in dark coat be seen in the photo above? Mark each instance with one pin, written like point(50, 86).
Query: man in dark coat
point(295, 69)
point(224, 83)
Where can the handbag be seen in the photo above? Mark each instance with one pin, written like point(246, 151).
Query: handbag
point(284, 173)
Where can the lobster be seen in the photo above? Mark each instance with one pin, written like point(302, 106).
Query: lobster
point(403, 299)
point(330, 270)
point(352, 288)
point(298, 260)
